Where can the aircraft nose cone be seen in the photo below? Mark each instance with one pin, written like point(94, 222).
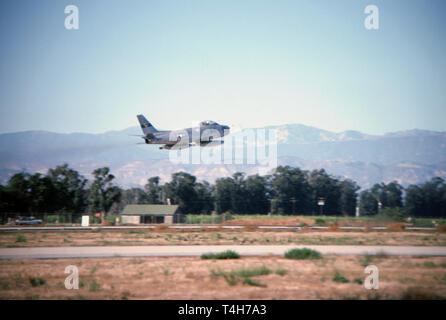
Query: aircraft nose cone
point(226, 129)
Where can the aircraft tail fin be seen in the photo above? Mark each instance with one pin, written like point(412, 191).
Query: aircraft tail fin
point(146, 126)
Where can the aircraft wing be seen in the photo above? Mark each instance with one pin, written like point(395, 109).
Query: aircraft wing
point(213, 143)
point(176, 146)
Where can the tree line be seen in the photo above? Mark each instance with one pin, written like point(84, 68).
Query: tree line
point(422, 200)
point(287, 190)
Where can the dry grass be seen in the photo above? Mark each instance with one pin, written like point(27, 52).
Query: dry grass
point(396, 226)
point(441, 228)
point(333, 227)
point(292, 221)
point(192, 278)
point(216, 229)
point(223, 236)
point(250, 228)
point(161, 228)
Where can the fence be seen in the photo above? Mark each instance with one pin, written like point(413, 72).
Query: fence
point(207, 219)
point(49, 218)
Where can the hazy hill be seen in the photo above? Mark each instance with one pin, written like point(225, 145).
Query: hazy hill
point(407, 156)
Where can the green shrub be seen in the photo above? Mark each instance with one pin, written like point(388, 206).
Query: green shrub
point(391, 214)
point(35, 282)
point(230, 278)
point(366, 260)
point(281, 272)
point(229, 254)
point(110, 220)
point(135, 232)
point(424, 223)
point(94, 286)
point(20, 238)
point(251, 282)
point(51, 219)
point(303, 253)
point(359, 280)
point(319, 222)
point(226, 216)
point(244, 275)
point(251, 272)
point(339, 278)
point(429, 264)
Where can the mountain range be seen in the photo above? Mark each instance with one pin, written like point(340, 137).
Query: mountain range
point(408, 157)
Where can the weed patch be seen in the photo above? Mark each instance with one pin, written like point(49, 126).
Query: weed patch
point(281, 272)
point(229, 254)
point(339, 278)
point(36, 282)
point(303, 253)
point(244, 275)
point(94, 286)
point(254, 283)
point(20, 238)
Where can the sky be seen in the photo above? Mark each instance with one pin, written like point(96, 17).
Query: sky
point(248, 63)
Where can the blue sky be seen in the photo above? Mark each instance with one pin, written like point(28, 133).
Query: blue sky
point(250, 63)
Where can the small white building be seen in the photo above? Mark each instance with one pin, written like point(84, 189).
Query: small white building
point(151, 213)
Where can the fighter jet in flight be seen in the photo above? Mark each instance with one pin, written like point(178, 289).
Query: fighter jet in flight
point(203, 135)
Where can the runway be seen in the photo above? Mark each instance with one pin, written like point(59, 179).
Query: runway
point(198, 250)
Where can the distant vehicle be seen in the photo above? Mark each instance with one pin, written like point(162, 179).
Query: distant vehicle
point(203, 135)
point(27, 221)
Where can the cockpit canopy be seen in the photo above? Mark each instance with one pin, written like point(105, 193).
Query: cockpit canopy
point(208, 123)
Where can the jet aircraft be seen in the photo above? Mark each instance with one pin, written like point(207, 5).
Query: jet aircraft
point(203, 135)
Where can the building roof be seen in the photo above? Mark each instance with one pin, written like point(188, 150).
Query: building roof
point(149, 209)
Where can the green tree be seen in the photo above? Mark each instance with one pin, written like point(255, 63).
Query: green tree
point(153, 190)
point(290, 190)
point(43, 194)
point(129, 196)
point(17, 193)
point(181, 190)
point(427, 199)
point(205, 199)
point(70, 189)
point(256, 193)
point(324, 186)
point(32, 194)
point(368, 204)
point(224, 188)
point(390, 195)
point(415, 204)
point(239, 196)
point(349, 197)
point(102, 191)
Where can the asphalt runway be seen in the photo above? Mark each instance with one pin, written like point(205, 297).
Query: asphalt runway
point(197, 250)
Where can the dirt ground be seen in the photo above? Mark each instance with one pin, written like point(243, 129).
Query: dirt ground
point(292, 221)
point(223, 237)
point(194, 278)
